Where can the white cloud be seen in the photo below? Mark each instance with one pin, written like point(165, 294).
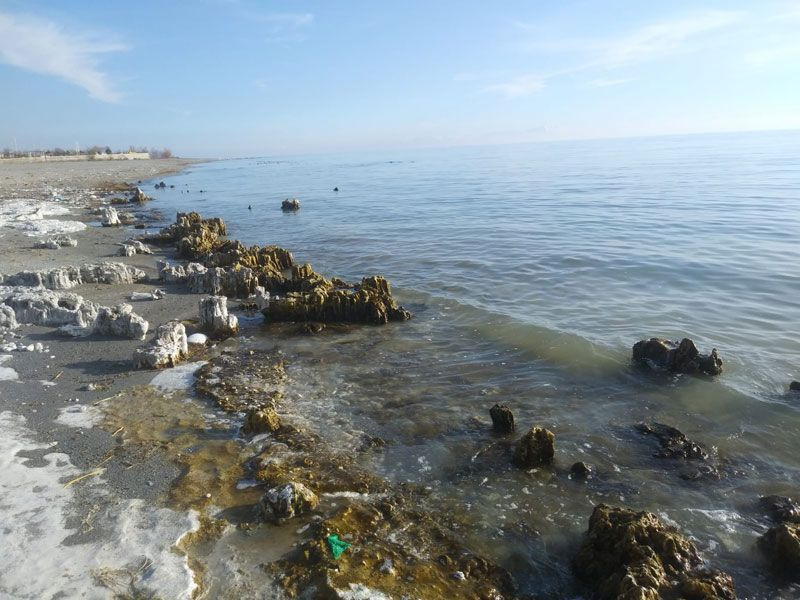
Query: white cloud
point(524, 85)
point(44, 47)
point(599, 83)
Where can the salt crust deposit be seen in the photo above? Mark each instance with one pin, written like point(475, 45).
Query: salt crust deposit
point(80, 415)
point(33, 217)
point(36, 562)
point(177, 378)
point(7, 373)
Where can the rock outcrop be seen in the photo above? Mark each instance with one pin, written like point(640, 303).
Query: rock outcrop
point(781, 546)
point(322, 300)
point(214, 317)
point(133, 247)
point(676, 357)
point(290, 205)
point(167, 349)
point(8, 318)
point(234, 282)
point(241, 382)
point(780, 508)
point(139, 196)
point(674, 444)
point(120, 321)
point(502, 419)
point(64, 278)
point(535, 449)
point(109, 217)
point(262, 420)
point(284, 502)
point(629, 554)
point(56, 242)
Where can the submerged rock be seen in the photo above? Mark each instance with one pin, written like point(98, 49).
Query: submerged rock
point(781, 546)
point(262, 420)
point(628, 554)
point(167, 349)
point(580, 470)
point(290, 204)
point(676, 357)
point(502, 419)
point(780, 508)
point(285, 502)
point(215, 319)
point(56, 242)
point(674, 444)
point(794, 386)
point(535, 449)
point(243, 381)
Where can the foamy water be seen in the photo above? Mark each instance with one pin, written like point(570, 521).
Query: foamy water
point(531, 271)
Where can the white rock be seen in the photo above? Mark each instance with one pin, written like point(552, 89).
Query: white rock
point(109, 217)
point(167, 349)
point(8, 318)
point(132, 247)
point(156, 294)
point(198, 339)
point(64, 278)
point(56, 242)
point(214, 316)
point(120, 321)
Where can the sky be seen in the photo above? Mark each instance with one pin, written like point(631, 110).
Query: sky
point(224, 78)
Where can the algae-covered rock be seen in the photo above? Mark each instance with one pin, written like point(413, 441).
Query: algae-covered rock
point(535, 449)
point(263, 420)
point(781, 546)
point(628, 554)
point(676, 357)
point(242, 381)
point(287, 501)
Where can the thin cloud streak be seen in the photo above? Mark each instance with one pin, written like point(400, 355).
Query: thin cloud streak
point(44, 47)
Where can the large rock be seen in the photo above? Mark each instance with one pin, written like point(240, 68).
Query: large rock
point(535, 449)
point(633, 555)
point(284, 502)
point(109, 217)
point(676, 357)
point(780, 508)
point(327, 301)
point(673, 443)
point(120, 321)
point(37, 306)
point(502, 419)
point(56, 242)
point(214, 317)
point(235, 282)
point(167, 349)
point(8, 318)
point(781, 546)
point(64, 278)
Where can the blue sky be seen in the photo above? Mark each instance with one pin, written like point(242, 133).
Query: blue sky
point(242, 78)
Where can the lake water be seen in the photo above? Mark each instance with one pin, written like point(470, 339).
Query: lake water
point(531, 270)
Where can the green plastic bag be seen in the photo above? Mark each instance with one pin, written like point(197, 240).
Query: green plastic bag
point(336, 545)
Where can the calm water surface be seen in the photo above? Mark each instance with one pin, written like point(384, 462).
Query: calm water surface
point(531, 271)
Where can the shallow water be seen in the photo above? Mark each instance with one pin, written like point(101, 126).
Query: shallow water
point(531, 270)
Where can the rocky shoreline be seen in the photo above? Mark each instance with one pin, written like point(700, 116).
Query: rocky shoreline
point(190, 294)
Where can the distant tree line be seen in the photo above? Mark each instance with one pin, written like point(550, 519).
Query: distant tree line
point(89, 152)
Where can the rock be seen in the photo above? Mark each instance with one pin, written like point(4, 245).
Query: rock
point(502, 419)
point(8, 318)
point(290, 204)
point(48, 308)
point(794, 386)
point(132, 247)
point(780, 508)
point(285, 502)
point(580, 470)
point(674, 444)
point(63, 278)
point(242, 381)
point(215, 319)
point(167, 349)
point(676, 357)
point(56, 242)
point(109, 217)
point(263, 420)
point(535, 449)
point(120, 321)
point(156, 294)
point(327, 301)
point(629, 554)
point(233, 282)
point(139, 196)
point(781, 546)
point(198, 339)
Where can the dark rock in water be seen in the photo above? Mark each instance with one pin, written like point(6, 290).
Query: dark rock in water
point(628, 554)
point(263, 420)
point(290, 204)
point(311, 328)
point(676, 357)
point(336, 189)
point(794, 386)
point(781, 546)
point(139, 196)
point(502, 419)
point(535, 449)
point(780, 508)
point(674, 444)
point(580, 470)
